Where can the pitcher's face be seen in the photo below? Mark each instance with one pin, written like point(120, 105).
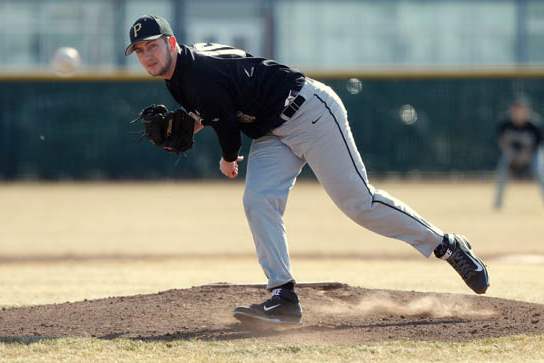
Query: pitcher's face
point(154, 56)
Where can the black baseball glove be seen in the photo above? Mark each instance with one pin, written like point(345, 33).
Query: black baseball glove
point(170, 130)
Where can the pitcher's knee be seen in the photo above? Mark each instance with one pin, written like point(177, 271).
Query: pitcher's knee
point(262, 203)
point(355, 206)
point(367, 208)
point(249, 200)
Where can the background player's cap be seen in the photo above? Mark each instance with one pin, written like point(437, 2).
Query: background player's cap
point(148, 27)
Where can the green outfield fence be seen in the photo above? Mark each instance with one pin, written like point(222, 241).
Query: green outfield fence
point(404, 122)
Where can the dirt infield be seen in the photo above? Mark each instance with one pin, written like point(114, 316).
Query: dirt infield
point(333, 313)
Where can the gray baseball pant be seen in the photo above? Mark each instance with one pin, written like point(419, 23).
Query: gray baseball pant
point(319, 134)
point(503, 174)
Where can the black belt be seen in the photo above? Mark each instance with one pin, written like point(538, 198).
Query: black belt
point(293, 107)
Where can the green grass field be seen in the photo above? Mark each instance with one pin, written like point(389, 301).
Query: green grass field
point(69, 242)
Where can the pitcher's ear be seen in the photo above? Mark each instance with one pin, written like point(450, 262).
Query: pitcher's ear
point(172, 42)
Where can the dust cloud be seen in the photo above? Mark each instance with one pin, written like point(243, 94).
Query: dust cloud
point(427, 306)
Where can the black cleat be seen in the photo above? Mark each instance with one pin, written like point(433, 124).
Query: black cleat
point(282, 308)
point(457, 251)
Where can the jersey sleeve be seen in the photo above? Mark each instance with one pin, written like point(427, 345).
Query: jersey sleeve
point(220, 114)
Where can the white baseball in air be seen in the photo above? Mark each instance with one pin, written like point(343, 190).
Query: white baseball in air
point(354, 86)
point(66, 61)
point(408, 114)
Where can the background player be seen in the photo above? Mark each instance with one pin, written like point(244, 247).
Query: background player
point(294, 120)
point(520, 141)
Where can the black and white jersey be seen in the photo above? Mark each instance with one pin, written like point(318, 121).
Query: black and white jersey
point(519, 143)
point(526, 137)
point(232, 91)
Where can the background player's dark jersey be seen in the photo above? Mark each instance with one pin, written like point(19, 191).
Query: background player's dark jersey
point(232, 91)
point(519, 143)
point(527, 135)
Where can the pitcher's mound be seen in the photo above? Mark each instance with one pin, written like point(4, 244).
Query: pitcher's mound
point(333, 313)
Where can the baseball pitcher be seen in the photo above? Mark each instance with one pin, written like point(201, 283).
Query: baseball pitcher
point(293, 120)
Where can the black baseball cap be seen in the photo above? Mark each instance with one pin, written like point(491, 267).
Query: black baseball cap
point(148, 27)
